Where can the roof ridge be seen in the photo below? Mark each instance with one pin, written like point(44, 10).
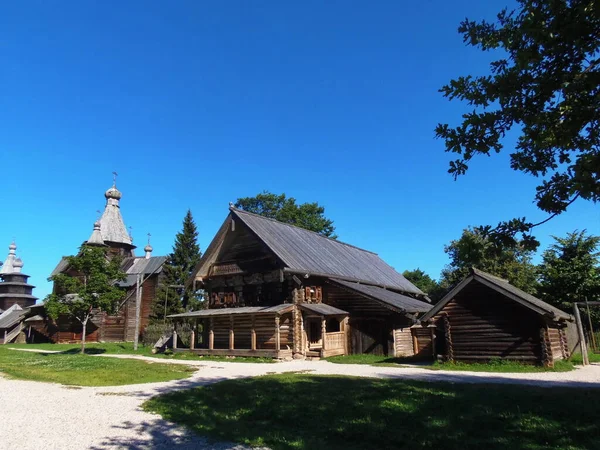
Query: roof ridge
point(480, 272)
point(236, 210)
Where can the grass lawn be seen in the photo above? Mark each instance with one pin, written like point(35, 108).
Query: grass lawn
point(85, 370)
point(492, 366)
point(332, 412)
point(126, 348)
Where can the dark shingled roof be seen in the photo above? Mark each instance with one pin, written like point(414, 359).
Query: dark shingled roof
point(12, 316)
point(503, 287)
point(305, 251)
point(132, 266)
point(323, 310)
point(391, 298)
point(277, 309)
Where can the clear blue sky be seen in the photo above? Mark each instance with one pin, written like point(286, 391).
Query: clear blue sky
point(198, 103)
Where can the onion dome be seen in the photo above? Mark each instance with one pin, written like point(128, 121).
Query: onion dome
point(18, 264)
point(7, 267)
point(148, 249)
point(113, 193)
point(96, 237)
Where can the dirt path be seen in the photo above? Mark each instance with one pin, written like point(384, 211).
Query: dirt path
point(50, 416)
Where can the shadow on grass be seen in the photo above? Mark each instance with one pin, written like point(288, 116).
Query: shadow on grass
point(88, 351)
point(160, 435)
point(285, 412)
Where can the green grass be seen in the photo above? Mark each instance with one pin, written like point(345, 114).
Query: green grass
point(286, 412)
point(372, 360)
point(577, 358)
point(85, 370)
point(126, 348)
point(502, 366)
point(491, 366)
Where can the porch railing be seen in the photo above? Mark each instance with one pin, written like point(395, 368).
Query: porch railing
point(335, 340)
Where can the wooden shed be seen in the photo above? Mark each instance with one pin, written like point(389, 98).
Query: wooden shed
point(485, 317)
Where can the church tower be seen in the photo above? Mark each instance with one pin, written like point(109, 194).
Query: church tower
point(13, 283)
point(110, 230)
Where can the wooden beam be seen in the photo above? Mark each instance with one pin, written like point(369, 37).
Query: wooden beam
point(345, 327)
point(231, 333)
point(211, 335)
point(277, 335)
point(174, 338)
point(323, 333)
point(588, 303)
point(253, 334)
point(303, 343)
point(192, 339)
point(236, 352)
point(415, 343)
point(582, 345)
point(432, 330)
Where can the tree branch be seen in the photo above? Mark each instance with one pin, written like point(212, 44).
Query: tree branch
point(556, 213)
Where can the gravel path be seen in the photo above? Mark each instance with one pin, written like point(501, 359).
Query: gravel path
point(49, 416)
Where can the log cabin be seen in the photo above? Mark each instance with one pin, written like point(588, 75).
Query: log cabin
point(277, 290)
point(485, 317)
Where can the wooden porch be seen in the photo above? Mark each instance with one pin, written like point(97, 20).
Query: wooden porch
point(244, 331)
point(324, 330)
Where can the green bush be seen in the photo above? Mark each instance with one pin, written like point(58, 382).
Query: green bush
point(154, 332)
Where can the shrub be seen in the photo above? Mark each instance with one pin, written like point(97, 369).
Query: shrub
point(154, 332)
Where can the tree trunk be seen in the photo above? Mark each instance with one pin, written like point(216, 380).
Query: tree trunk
point(83, 329)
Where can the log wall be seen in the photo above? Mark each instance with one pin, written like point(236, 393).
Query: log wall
point(481, 324)
point(403, 342)
point(372, 324)
point(241, 325)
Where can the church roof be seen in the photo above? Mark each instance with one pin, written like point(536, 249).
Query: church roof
point(11, 259)
point(112, 227)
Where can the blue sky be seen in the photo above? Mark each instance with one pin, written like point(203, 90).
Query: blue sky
point(198, 103)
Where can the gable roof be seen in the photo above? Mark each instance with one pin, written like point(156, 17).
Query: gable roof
point(303, 251)
point(390, 298)
point(12, 316)
point(322, 309)
point(131, 265)
point(277, 309)
point(503, 287)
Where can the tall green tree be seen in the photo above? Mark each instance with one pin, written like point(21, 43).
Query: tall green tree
point(310, 216)
point(177, 269)
point(90, 287)
point(475, 249)
point(570, 270)
point(545, 88)
point(424, 282)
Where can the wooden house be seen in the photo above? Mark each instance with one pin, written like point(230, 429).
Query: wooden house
point(143, 279)
point(278, 290)
point(485, 317)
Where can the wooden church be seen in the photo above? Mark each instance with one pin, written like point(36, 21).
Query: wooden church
point(143, 279)
point(17, 302)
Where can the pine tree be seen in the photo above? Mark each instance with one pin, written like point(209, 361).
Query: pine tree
point(570, 270)
point(177, 269)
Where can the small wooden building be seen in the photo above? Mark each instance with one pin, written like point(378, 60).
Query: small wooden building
point(485, 317)
point(278, 290)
